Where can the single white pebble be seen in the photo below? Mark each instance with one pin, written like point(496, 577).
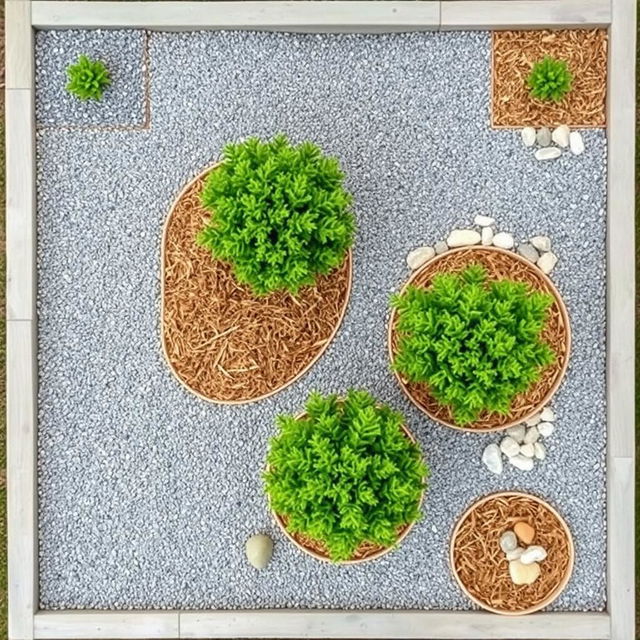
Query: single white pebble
point(534, 553)
point(259, 549)
point(419, 256)
point(509, 447)
point(440, 247)
point(487, 236)
point(503, 240)
point(543, 137)
point(528, 251)
point(434, 528)
point(463, 238)
point(508, 541)
point(533, 420)
point(528, 136)
point(548, 415)
point(515, 554)
point(541, 243)
point(522, 462)
point(576, 143)
point(523, 573)
point(532, 435)
point(545, 429)
point(560, 136)
point(547, 261)
point(547, 153)
point(527, 450)
point(483, 221)
point(492, 459)
point(539, 451)
point(517, 433)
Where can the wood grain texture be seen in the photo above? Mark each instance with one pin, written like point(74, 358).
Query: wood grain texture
point(523, 14)
point(21, 477)
point(87, 625)
point(18, 44)
point(392, 624)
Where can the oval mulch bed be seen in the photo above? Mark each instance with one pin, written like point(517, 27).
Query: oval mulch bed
point(500, 264)
point(223, 343)
point(481, 568)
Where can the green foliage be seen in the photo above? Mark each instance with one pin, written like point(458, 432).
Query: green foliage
point(345, 473)
point(550, 79)
point(476, 344)
point(88, 78)
point(280, 214)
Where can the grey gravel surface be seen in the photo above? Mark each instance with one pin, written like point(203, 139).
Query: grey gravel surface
point(123, 102)
point(147, 493)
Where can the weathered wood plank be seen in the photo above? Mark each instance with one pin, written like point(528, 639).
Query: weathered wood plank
point(18, 44)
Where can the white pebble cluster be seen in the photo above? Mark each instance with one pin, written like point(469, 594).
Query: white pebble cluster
point(561, 137)
point(522, 446)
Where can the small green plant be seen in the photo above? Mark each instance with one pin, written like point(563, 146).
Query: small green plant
point(345, 473)
point(280, 214)
point(550, 79)
point(88, 78)
point(475, 344)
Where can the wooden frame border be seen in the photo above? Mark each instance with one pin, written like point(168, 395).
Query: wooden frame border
point(25, 621)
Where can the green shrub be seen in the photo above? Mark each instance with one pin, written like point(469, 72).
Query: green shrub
point(88, 79)
point(550, 79)
point(280, 214)
point(345, 473)
point(475, 343)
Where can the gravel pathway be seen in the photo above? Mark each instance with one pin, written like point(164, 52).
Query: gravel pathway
point(147, 493)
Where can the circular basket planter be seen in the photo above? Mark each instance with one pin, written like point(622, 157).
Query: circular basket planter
point(365, 552)
point(500, 264)
point(481, 568)
point(221, 342)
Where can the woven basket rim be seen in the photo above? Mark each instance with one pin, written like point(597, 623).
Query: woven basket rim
point(561, 585)
point(325, 557)
point(165, 227)
point(557, 298)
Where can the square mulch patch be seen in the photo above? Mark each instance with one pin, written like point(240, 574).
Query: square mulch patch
point(513, 55)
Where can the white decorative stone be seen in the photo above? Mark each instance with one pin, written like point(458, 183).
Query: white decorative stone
point(548, 415)
point(533, 420)
point(576, 144)
point(534, 553)
point(560, 136)
point(528, 251)
point(483, 221)
point(487, 236)
point(463, 238)
point(528, 136)
point(509, 447)
point(503, 240)
point(548, 153)
point(508, 541)
point(541, 243)
point(515, 554)
point(523, 573)
point(440, 247)
point(419, 256)
point(259, 549)
point(492, 459)
point(543, 137)
point(522, 462)
point(532, 435)
point(547, 261)
point(539, 451)
point(517, 433)
point(527, 450)
point(545, 429)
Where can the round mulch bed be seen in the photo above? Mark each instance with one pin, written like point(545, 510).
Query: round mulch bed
point(480, 567)
point(222, 342)
point(500, 264)
point(366, 551)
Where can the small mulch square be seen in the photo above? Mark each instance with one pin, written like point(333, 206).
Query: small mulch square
point(513, 54)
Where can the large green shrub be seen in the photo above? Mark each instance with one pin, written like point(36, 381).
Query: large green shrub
point(475, 343)
point(550, 79)
point(280, 214)
point(345, 473)
point(88, 78)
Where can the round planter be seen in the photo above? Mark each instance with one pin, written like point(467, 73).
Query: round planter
point(365, 552)
point(493, 565)
point(198, 340)
point(500, 264)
